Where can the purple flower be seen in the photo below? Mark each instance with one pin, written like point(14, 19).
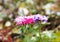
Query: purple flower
point(39, 17)
point(44, 19)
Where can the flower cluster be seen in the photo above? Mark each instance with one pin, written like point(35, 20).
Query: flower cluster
point(20, 20)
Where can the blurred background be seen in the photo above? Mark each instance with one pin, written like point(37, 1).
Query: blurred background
point(10, 9)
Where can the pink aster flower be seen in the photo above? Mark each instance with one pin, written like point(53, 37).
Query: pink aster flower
point(19, 20)
point(23, 20)
point(28, 20)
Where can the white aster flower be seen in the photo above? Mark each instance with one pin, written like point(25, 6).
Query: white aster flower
point(47, 8)
point(8, 23)
point(23, 11)
point(58, 13)
point(37, 34)
point(33, 38)
point(48, 33)
point(30, 1)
